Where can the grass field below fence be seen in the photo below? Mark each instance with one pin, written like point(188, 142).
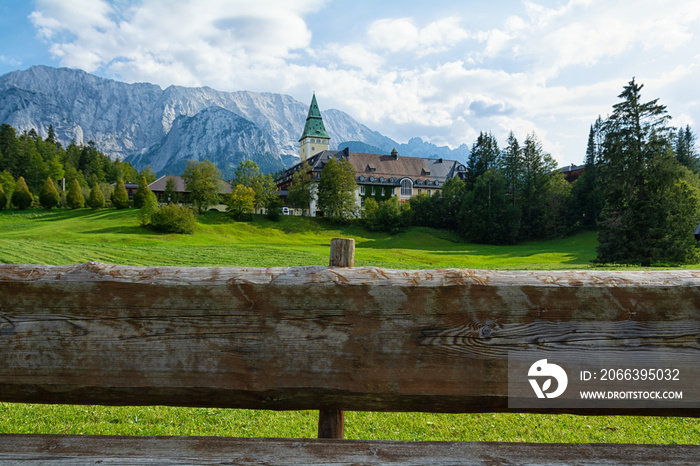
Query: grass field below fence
point(110, 236)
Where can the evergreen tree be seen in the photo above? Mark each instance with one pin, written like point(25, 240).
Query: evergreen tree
point(587, 194)
point(141, 193)
point(336, 190)
point(486, 215)
point(119, 197)
point(686, 153)
point(51, 137)
point(49, 197)
point(650, 199)
point(150, 205)
point(74, 197)
point(9, 148)
point(484, 155)
point(97, 198)
point(21, 197)
point(3, 198)
point(537, 168)
point(512, 168)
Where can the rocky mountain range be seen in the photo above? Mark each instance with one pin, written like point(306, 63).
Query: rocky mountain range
point(148, 125)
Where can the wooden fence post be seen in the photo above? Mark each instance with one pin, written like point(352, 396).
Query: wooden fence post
point(331, 422)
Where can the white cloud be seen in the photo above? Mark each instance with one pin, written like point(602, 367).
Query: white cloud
point(402, 35)
point(533, 67)
point(185, 42)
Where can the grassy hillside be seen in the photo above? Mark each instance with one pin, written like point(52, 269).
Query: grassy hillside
point(111, 236)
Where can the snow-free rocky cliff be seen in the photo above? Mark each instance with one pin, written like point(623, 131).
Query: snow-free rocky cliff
point(166, 127)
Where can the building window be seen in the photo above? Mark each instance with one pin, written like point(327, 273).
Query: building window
point(406, 187)
point(362, 190)
point(382, 191)
point(372, 190)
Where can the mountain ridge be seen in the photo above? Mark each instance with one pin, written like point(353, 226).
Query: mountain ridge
point(135, 121)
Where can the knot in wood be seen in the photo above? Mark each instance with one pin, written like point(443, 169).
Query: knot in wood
point(485, 332)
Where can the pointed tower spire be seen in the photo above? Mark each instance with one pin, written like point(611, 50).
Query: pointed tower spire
point(314, 138)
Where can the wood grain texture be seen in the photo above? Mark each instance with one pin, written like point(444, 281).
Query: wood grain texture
point(342, 252)
point(84, 450)
point(331, 422)
point(318, 337)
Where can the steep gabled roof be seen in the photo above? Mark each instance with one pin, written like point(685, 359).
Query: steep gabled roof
point(314, 123)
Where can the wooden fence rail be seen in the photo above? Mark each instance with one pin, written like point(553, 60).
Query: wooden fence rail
point(317, 337)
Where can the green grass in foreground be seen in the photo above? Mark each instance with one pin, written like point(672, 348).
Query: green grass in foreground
point(68, 237)
point(111, 236)
point(100, 420)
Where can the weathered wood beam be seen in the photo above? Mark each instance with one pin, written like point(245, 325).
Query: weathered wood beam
point(83, 450)
point(317, 337)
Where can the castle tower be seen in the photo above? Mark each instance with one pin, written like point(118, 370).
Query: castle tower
point(314, 139)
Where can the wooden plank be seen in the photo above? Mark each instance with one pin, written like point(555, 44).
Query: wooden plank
point(81, 450)
point(318, 337)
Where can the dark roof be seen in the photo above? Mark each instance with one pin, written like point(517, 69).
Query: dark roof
point(571, 168)
point(391, 169)
point(159, 184)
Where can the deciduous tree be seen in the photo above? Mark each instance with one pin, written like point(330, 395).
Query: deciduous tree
point(202, 181)
point(241, 201)
point(336, 190)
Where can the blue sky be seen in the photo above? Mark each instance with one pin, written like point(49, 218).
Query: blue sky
point(441, 70)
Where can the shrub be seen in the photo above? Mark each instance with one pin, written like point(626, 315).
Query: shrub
point(22, 198)
point(387, 216)
point(49, 197)
point(97, 198)
point(173, 219)
point(74, 198)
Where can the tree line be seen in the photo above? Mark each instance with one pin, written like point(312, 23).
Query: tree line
point(33, 167)
point(639, 188)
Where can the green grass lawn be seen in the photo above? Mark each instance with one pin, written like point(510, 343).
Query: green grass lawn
point(69, 237)
point(111, 236)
